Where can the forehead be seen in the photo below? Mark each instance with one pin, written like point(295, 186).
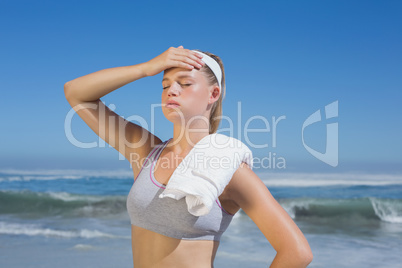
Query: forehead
point(177, 73)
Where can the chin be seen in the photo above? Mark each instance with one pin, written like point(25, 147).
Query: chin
point(174, 116)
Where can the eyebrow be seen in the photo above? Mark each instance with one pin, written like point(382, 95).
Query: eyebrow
point(180, 77)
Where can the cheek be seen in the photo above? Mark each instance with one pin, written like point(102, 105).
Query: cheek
point(199, 93)
point(197, 99)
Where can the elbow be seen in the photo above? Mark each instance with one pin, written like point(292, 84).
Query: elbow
point(306, 258)
point(303, 256)
point(295, 257)
point(67, 90)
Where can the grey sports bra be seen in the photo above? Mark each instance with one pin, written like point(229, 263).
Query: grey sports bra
point(168, 216)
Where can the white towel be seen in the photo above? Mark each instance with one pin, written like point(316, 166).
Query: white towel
point(204, 173)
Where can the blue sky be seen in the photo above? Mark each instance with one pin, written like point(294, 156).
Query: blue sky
point(282, 58)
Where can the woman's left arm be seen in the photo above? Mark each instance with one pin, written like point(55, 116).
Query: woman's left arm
point(250, 194)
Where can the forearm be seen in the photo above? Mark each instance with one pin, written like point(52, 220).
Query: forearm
point(95, 85)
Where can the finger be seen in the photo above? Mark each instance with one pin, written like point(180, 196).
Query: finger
point(198, 55)
point(193, 56)
point(182, 54)
point(192, 61)
point(182, 64)
point(180, 47)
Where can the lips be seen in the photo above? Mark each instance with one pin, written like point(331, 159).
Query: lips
point(172, 103)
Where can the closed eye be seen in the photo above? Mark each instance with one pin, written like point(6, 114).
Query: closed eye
point(185, 85)
point(182, 85)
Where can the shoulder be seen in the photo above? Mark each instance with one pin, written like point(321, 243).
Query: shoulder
point(142, 149)
point(251, 194)
point(245, 187)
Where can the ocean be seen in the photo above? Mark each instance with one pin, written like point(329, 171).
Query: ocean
point(78, 218)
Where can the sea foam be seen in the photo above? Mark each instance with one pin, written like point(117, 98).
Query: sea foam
point(37, 230)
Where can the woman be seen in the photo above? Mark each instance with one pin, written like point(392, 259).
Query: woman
point(163, 234)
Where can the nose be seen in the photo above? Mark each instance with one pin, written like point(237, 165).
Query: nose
point(174, 89)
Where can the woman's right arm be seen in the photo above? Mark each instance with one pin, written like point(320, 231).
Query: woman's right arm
point(93, 86)
point(84, 93)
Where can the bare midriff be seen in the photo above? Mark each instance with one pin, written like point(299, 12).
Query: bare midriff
point(154, 250)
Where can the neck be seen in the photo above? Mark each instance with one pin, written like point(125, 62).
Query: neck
point(184, 139)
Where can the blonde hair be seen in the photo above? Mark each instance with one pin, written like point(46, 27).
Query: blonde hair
point(216, 110)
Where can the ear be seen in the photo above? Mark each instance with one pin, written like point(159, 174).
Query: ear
point(214, 94)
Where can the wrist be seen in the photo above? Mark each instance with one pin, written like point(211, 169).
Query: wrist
point(144, 69)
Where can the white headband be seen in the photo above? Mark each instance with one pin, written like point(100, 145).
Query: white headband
point(214, 66)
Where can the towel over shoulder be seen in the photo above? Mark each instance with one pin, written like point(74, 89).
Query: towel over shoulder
point(204, 173)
